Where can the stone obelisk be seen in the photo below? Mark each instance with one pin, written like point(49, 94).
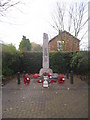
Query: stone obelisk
point(45, 56)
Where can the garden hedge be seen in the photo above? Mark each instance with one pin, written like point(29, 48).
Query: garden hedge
point(60, 61)
point(11, 63)
point(79, 62)
point(31, 62)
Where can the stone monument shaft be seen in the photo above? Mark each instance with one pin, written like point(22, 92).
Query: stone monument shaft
point(45, 65)
point(45, 51)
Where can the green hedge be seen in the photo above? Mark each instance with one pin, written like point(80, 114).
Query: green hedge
point(11, 63)
point(31, 62)
point(79, 62)
point(60, 61)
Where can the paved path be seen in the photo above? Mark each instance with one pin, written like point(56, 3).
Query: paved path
point(34, 101)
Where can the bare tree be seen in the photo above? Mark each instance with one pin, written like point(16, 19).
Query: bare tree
point(58, 21)
point(5, 5)
point(78, 12)
point(79, 20)
point(58, 18)
point(76, 18)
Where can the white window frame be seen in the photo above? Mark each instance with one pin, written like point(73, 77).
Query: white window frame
point(59, 45)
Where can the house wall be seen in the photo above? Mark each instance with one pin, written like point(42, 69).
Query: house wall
point(53, 44)
point(70, 43)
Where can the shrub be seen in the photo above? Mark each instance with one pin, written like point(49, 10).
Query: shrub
point(7, 71)
point(79, 62)
point(11, 61)
point(60, 61)
point(32, 61)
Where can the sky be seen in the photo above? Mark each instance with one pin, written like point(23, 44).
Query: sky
point(30, 18)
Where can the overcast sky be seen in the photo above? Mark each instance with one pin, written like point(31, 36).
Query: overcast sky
point(30, 19)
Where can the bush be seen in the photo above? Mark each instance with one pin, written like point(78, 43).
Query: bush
point(32, 61)
point(60, 61)
point(11, 61)
point(79, 62)
point(7, 71)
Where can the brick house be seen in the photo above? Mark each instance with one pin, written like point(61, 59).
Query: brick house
point(64, 41)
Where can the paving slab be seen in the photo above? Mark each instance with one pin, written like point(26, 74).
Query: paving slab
point(34, 101)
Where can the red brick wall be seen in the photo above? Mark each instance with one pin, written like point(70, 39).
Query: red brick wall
point(70, 45)
point(53, 44)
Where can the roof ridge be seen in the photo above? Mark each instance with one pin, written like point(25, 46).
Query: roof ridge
point(64, 32)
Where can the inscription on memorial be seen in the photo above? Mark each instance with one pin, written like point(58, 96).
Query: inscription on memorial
point(45, 59)
point(45, 51)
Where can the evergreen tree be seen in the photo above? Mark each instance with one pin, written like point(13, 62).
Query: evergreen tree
point(25, 44)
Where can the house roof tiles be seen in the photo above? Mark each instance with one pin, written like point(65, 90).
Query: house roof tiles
point(64, 32)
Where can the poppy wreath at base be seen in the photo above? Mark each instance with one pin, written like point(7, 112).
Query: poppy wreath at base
point(26, 79)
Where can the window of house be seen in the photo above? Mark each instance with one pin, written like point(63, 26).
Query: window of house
point(59, 45)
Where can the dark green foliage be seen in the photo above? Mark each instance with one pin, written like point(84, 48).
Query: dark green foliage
point(32, 61)
point(11, 60)
point(79, 62)
point(89, 64)
point(10, 48)
point(7, 71)
point(60, 61)
point(0, 61)
point(25, 44)
point(11, 63)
